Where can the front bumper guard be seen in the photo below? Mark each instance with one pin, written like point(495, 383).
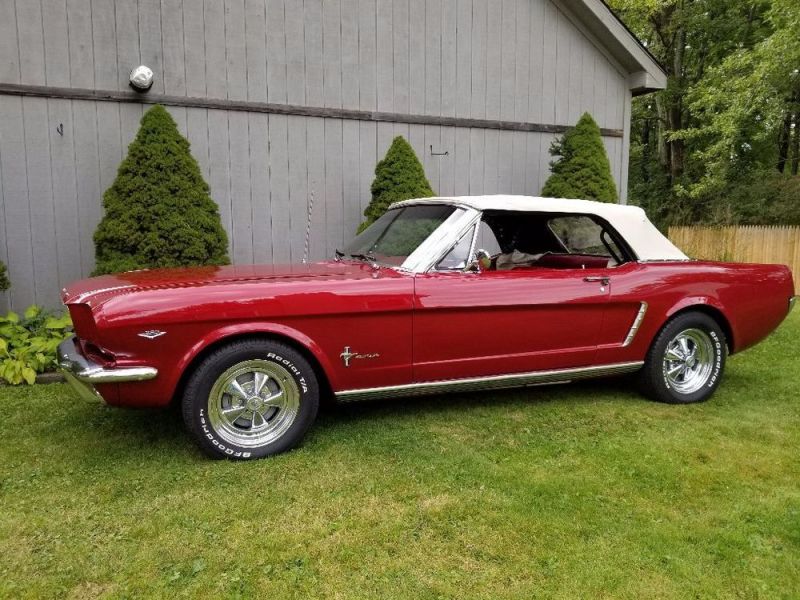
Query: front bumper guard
point(83, 373)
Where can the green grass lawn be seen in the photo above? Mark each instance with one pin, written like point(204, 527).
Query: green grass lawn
point(578, 491)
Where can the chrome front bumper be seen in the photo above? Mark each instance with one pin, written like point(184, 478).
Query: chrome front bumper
point(792, 301)
point(83, 374)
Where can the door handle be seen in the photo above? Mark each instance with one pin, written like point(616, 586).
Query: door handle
point(600, 280)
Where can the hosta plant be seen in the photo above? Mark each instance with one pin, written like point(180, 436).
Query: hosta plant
point(28, 343)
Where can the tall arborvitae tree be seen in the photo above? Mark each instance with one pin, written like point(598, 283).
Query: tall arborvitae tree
point(158, 211)
point(582, 169)
point(399, 176)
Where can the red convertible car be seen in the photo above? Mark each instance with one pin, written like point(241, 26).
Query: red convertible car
point(439, 294)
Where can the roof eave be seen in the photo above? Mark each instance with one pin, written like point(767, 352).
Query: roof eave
point(645, 74)
point(643, 82)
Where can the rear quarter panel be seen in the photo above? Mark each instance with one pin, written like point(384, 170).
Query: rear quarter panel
point(752, 298)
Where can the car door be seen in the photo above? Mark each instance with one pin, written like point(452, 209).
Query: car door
point(492, 322)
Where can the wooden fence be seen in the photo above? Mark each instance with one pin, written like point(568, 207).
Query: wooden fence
point(749, 244)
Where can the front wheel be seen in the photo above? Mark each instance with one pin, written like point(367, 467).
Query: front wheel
point(250, 399)
point(686, 360)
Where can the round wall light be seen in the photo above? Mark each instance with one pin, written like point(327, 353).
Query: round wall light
point(141, 78)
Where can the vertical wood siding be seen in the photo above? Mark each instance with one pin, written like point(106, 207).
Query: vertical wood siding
point(520, 60)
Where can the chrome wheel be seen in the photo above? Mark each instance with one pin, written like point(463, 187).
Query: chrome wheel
point(689, 361)
point(253, 403)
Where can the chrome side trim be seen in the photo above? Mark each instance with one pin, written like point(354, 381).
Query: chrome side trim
point(82, 373)
point(637, 322)
point(491, 382)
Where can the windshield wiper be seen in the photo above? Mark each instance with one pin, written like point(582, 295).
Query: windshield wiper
point(364, 257)
point(367, 257)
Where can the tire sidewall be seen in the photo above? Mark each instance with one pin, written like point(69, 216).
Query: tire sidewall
point(196, 397)
point(662, 388)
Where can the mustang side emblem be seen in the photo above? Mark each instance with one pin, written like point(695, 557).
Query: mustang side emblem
point(348, 355)
point(152, 334)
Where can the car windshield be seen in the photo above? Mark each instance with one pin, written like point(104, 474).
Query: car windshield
point(393, 237)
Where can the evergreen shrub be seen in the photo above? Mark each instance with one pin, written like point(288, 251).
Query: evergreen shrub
point(399, 176)
point(582, 169)
point(158, 211)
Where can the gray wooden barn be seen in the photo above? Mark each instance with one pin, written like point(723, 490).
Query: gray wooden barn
point(284, 98)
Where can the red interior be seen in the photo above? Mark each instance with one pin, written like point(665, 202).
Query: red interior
point(572, 261)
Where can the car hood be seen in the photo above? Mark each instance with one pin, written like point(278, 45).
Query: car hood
point(96, 290)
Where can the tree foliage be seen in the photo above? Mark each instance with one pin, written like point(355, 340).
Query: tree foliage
point(582, 169)
point(730, 116)
point(748, 107)
point(399, 176)
point(773, 199)
point(4, 282)
point(158, 211)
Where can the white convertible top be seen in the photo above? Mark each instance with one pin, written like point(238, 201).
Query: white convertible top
point(630, 221)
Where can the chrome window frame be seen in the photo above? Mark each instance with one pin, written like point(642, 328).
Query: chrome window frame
point(470, 251)
point(444, 238)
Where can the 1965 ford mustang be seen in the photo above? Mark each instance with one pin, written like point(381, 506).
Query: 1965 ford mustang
point(440, 294)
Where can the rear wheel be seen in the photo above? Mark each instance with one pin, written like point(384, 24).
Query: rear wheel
point(686, 360)
point(250, 399)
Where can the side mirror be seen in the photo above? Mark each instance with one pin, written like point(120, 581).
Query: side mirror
point(481, 262)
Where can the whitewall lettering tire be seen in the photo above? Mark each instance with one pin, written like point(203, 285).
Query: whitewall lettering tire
point(250, 399)
point(686, 360)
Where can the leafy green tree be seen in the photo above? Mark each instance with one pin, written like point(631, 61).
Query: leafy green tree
point(582, 169)
point(688, 37)
point(772, 199)
point(4, 282)
point(728, 119)
point(158, 211)
point(399, 176)
point(748, 109)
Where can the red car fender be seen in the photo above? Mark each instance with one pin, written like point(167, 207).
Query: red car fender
point(250, 328)
point(695, 301)
point(691, 301)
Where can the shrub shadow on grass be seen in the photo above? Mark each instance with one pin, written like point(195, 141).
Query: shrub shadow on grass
point(111, 432)
point(427, 424)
